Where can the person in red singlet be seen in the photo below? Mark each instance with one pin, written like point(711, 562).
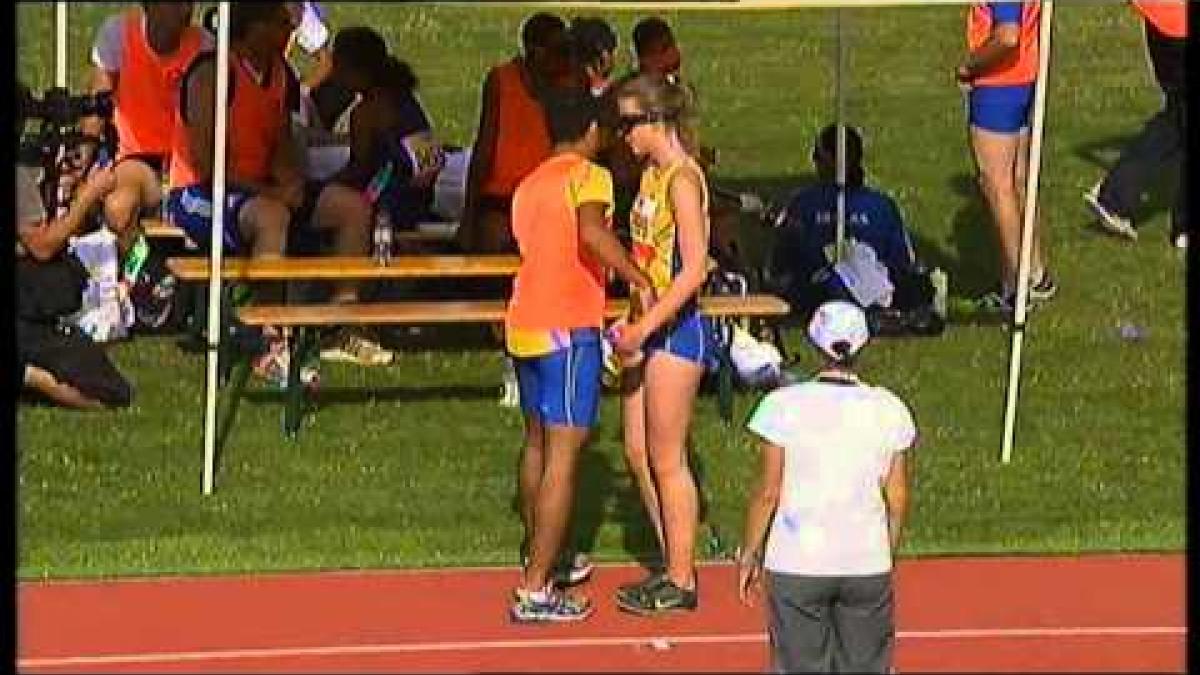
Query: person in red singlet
point(139, 56)
point(264, 183)
point(512, 138)
point(264, 180)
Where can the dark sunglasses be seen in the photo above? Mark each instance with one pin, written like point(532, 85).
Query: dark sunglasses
point(626, 123)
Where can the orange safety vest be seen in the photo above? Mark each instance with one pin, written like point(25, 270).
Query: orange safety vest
point(522, 136)
point(1022, 67)
point(147, 88)
point(256, 115)
point(1168, 16)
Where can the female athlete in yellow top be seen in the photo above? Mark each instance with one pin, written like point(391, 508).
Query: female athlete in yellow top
point(670, 232)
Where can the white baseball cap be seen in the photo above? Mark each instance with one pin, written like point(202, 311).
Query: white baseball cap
point(839, 321)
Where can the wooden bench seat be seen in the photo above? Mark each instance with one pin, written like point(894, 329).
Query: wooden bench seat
point(307, 319)
point(160, 229)
point(196, 268)
point(469, 311)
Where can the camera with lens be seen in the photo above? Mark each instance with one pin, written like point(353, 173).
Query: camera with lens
point(57, 143)
point(58, 107)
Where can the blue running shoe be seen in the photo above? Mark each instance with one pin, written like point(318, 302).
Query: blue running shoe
point(548, 605)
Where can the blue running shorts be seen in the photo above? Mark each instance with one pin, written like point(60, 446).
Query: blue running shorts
point(1001, 109)
point(190, 209)
point(562, 388)
point(690, 336)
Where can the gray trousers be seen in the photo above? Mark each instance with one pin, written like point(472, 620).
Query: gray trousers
point(1162, 142)
point(831, 624)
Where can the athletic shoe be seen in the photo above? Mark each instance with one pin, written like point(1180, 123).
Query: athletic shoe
point(272, 367)
point(153, 301)
point(1043, 290)
point(353, 346)
point(999, 301)
point(1109, 221)
point(1180, 240)
point(1004, 301)
point(627, 592)
point(548, 605)
point(569, 569)
point(663, 598)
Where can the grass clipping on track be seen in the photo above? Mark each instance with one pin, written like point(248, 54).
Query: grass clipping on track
point(414, 464)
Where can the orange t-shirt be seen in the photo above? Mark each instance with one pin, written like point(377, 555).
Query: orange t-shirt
point(147, 88)
point(558, 286)
point(256, 115)
point(1168, 16)
point(1022, 67)
point(522, 137)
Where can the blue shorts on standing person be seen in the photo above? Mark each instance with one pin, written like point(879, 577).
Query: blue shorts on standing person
point(1000, 109)
point(562, 388)
point(191, 210)
point(690, 336)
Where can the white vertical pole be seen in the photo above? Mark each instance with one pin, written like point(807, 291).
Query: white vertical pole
point(1036, 133)
point(216, 244)
point(60, 44)
point(839, 97)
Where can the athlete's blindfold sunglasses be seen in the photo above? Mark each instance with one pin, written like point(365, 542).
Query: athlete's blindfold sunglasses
point(626, 123)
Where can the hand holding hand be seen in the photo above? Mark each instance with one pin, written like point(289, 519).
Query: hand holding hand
point(627, 339)
point(641, 299)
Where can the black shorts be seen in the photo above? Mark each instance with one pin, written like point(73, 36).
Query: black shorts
point(157, 163)
point(73, 358)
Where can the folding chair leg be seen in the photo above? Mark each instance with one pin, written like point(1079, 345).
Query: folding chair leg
point(777, 338)
point(725, 382)
point(293, 414)
point(240, 373)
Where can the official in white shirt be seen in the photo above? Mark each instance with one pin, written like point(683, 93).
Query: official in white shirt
point(830, 505)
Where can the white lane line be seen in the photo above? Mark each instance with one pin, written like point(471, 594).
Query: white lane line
point(424, 647)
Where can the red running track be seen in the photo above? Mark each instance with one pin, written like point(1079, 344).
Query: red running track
point(1094, 613)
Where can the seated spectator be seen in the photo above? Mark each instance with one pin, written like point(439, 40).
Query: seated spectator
point(512, 138)
point(54, 359)
point(594, 52)
point(655, 48)
point(388, 131)
point(264, 181)
point(800, 267)
point(139, 55)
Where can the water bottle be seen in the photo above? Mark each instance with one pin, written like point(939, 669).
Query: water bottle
point(381, 238)
point(941, 289)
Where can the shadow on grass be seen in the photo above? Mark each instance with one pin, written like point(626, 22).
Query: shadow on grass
point(336, 396)
point(971, 261)
point(603, 492)
point(1102, 152)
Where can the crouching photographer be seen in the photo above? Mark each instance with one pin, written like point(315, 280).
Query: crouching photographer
point(55, 360)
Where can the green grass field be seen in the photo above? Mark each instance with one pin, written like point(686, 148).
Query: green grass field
point(414, 465)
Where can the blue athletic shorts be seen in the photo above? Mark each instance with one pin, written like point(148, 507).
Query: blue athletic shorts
point(562, 388)
point(690, 336)
point(1002, 109)
point(190, 209)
